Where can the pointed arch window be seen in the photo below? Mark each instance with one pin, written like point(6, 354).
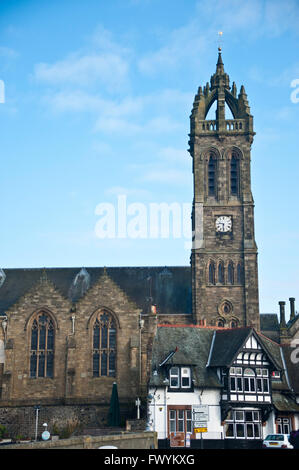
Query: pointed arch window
point(221, 273)
point(104, 345)
point(42, 338)
point(234, 176)
point(230, 273)
point(211, 273)
point(212, 176)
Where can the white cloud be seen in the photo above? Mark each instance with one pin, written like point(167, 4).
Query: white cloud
point(171, 166)
point(102, 61)
point(244, 20)
point(8, 52)
point(116, 125)
point(168, 176)
point(181, 44)
point(102, 39)
point(121, 190)
point(131, 115)
point(83, 101)
point(280, 18)
point(174, 155)
point(108, 69)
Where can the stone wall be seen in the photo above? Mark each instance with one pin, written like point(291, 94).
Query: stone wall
point(63, 420)
point(73, 380)
point(124, 440)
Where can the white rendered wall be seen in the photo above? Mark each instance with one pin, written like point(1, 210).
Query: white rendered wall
point(162, 399)
point(270, 427)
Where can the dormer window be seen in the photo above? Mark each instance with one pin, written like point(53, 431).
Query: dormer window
point(174, 381)
point(186, 377)
point(180, 378)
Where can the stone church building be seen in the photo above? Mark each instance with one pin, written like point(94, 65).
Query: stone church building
point(66, 334)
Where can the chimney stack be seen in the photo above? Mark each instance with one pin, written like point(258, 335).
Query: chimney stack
point(292, 307)
point(282, 314)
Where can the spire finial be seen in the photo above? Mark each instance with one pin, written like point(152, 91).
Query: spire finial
point(220, 65)
point(220, 33)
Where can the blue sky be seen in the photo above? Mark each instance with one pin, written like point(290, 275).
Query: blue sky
point(97, 102)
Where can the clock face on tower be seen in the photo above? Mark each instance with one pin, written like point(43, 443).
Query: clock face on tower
point(224, 223)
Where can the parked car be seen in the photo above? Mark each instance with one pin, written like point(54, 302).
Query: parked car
point(277, 441)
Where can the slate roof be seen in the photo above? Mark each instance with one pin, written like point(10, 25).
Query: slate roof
point(270, 326)
point(168, 287)
point(290, 357)
point(226, 345)
point(273, 350)
point(275, 353)
point(269, 322)
point(284, 402)
point(193, 345)
point(291, 322)
point(205, 349)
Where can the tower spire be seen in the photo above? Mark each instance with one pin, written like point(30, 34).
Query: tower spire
point(220, 65)
point(220, 79)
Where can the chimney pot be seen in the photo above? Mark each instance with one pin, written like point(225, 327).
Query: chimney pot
point(292, 307)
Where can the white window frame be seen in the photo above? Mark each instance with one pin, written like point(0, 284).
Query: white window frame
point(182, 373)
point(185, 373)
point(172, 420)
point(173, 375)
point(234, 423)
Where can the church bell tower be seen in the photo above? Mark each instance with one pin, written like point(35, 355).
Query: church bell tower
point(224, 251)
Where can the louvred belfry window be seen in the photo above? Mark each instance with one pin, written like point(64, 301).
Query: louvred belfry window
point(212, 177)
point(42, 346)
point(104, 345)
point(234, 176)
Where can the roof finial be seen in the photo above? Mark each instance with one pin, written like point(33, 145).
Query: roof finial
point(220, 33)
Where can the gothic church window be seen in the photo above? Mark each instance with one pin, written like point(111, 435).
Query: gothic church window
point(104, 345)
point(221, 273)
point(230, 273)
point(42, 346)
point(211, 273)
point(234, 176)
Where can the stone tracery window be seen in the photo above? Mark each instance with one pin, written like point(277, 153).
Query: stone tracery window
point(211, 272)
point(42, 338)
point(104, 345)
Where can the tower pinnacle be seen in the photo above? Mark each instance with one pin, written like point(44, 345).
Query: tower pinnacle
point(220, 65)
